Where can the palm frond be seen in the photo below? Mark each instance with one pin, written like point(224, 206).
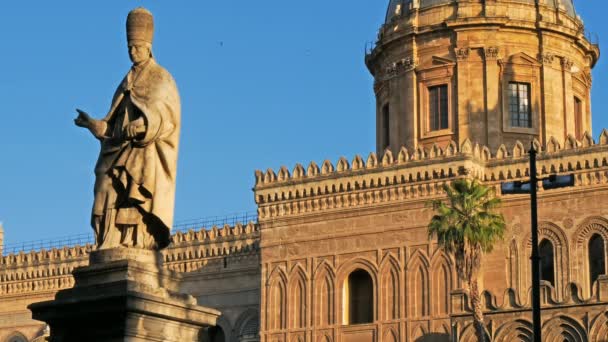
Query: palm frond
point(466, 225)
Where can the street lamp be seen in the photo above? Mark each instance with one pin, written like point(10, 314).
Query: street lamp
point(551, 182)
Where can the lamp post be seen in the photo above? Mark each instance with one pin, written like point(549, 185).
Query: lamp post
point(536, 320)
point(530, 187)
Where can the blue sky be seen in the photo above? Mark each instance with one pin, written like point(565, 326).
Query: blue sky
point(263, 84)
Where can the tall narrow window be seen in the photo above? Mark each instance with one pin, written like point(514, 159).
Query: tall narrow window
point(386, 132)
point(438, 107)
point(360, 298)
point(519, 104)
point(578, 117)
point(597, 258)
point(547, 262)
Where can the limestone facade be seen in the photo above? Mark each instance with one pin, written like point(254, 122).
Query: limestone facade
point(321, 225)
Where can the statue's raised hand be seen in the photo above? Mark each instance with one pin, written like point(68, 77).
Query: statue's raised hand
point(97, 127)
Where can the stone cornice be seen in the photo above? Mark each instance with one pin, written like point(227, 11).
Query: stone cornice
point(419, 175)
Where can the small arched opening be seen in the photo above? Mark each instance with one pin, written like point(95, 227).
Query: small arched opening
point(597, 258)
point(359, 298)
point(547, 262)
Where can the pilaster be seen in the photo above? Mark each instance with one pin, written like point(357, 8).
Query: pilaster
point(568, 110)
point(492, 92)
point(463, 126)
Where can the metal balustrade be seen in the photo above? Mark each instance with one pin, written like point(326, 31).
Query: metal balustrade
point(89, 238)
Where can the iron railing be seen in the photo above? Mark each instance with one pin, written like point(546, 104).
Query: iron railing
point(36, 245)
point(220, 221)
point(89, 238)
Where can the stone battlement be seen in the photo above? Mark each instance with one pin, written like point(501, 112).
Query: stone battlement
point(420, 174)
point(51, 270)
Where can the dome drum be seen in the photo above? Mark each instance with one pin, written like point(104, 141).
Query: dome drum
point(451, 71)
point(397, 8)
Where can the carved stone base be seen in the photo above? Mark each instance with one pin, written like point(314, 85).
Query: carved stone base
point(124, 296)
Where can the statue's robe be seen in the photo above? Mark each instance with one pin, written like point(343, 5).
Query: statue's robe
point(135, 179)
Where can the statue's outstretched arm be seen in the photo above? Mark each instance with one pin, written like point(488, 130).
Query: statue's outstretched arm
point(97, 127)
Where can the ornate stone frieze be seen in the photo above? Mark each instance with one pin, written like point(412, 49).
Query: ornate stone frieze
point(415, 175)
point(566, 63)
point(400, 66)
point(491, 52)
point(546, 58)
point(462, 54)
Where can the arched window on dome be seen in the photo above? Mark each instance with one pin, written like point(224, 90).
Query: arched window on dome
point(547, 261)
point(597, 258)
point(359, 298)
point(386, 128)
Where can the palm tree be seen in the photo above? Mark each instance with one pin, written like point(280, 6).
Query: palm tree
point(466, 226)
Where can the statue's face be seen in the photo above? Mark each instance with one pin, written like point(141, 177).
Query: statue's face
point(139, 52)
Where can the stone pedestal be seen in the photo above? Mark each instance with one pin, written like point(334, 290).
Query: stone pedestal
point(124, 295)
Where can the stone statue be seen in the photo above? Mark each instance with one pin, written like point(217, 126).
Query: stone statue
point(136, 169)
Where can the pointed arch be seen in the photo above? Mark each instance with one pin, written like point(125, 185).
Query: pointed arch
point(389, 288)
point(563, 328)
point(596, 257)
point(345, 281)
point(599, 327)
point(390, 336)
point(324, 295)
point(324, 338)
point(418, 285)
point(297, 298)
point(442, 282)
point(247, 325)
point(590, 227)
point(276, 301)
point(468, 334)
point(513, 266)
point(560, 248)
point(519, 330)
point(418, 333)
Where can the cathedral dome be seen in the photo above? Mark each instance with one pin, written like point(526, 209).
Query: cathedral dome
point(403, 7)
point(456, 70)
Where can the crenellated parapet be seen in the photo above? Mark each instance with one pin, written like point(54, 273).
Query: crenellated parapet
point(193, 250)
point(51, 270)
point(421, 174)
point(41, 271)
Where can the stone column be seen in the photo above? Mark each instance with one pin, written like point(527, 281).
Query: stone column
point(552, 94)
point(463, 122)
point(569, 120)
point(124, 295)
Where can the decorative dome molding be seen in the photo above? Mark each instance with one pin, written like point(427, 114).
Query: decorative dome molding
point(397, 8)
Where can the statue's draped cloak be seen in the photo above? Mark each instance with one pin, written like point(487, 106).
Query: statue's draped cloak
point(146, 167)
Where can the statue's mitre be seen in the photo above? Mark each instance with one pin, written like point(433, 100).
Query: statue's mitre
point(140, 26)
